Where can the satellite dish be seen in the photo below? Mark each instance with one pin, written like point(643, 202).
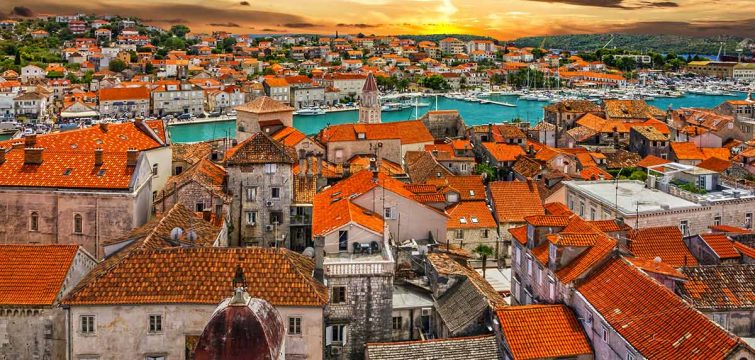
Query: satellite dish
point(191, 236)
point(309, 252)
point(176, 233)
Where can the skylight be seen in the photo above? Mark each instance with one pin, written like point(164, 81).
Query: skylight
point(463, 220)
point(474, 220)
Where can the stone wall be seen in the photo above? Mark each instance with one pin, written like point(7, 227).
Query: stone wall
point(242, 177)
point(366, 313)
point(443, 124)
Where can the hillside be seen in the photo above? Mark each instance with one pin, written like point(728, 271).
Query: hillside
point(657, 43)
point(438, 37)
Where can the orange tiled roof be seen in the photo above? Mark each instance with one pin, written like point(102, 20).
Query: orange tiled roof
point(200, 276)
point(124, 93)
point(686, 151)
point(33, 275)
point(333, 207)
point(469, 187)
point(542, 331)
point(664, 242)
point(111, 138)
point(503, 152)
point(721, 245)
point(557, 208)
point(715, 163)
point(515, 200)
point(595, 173)
point(475, 214)
point(745, 250)
point(729, 229)
point(258, 149)
point(289, 136)
point(658, 267)
point(264, 105)
point(722, 287)
point(654, 320)
point(409, 132)
point(54, 171)
point(652, 160)
point(519, 233)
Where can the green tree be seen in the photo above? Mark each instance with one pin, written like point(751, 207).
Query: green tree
point(179, 30)
point(434, 82)
point(483, 251)
point(117, 65)
point(488, 171)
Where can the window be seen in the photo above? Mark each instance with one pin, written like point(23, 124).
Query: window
point(78, 224)
point(604, 333)
point(251, 218)
point(748, 221)
point(581, 209)
point(276, 217)
point(518, 255)
point(684, 227)
point(251, 193)
point(396, 322)
point(529, 265)
point(154, 169)
point(540, 271)
point(551, 288)
point(179, 170)
point(592, 214)
point(294, 325)
point(721, 319)
point(338, 332)
point(343, 240)
point(389, 213)
point(275, 193)
point(271, 168)
point(155, 323)
point(717, 220)
point(339, 294)
point(485, 233)
point(199, 207)
point(459, 234)
point(154, 357)
point(630, 356)
point(86, 323)
point(34, 221)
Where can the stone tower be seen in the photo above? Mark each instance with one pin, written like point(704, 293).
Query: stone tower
point(369, 108)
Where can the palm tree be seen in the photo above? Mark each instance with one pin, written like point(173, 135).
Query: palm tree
point(484, 251)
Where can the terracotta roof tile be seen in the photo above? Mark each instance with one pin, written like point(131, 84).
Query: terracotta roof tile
point(745, 250)
point(557, 208)
point(469, 187)
point(205, 173)
point(720, 287)
point(475, 214)
point(515, 200)
point(652, 160)
point(655, 321)
point(124, 93)
point(409, 132)
point(503, 152)
point(201, 276)
point(519, 233)
point(548, 220)
point(481, 347)
point(715, 163)
point(721, 245)
point(33, 275)
point(264, 105)
point(542, 331)
point(664, 242)
point(258, 149)
point(658, 267)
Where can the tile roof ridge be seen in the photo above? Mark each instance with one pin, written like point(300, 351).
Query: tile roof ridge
point(308, 278)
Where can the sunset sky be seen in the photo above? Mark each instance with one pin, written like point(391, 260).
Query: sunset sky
point(502, 19)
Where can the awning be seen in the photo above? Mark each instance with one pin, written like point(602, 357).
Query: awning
point(81, 114)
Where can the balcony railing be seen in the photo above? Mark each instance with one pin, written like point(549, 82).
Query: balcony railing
point(362, 264)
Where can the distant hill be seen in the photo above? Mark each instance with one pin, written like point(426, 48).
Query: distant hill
point(644, 43)
point(438, 37)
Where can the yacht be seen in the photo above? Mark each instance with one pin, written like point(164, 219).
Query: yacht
point(310, 111)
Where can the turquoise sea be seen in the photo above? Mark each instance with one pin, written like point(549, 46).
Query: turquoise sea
point(473, 114)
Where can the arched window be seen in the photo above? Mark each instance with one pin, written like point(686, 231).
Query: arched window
point(78, 224)
point(34, 221)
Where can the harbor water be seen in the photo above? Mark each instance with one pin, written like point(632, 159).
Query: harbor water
point(472, 112)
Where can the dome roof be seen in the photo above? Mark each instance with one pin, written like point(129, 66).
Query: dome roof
point(242, 327)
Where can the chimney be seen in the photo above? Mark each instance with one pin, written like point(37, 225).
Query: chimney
point(207, 215)
point(18, 145)
point(103, 126)
point(98, 157)
point(30, 141)
point(490, 132)
point(318, 158)
point(32, 156)
point(2, 155)
point(302, 162)
point(138, 121)
point(131, 156)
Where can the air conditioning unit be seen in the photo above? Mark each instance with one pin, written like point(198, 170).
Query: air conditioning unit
point(253, 224)
point(269, 227)
point(426, 312)
point(269, 204)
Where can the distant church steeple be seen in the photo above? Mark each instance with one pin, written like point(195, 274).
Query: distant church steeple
point(369, 108)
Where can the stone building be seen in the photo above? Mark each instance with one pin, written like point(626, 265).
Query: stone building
point(58, 194)
point(176, 97)
point(625, 313)
point(512, 202)
point(444, 123)
point(156, 303)
point(647, 140)
point(262, 114)
point(471, 224)
point(260, 182)
point(734, 312)
point(354, 222)
point(126, 102)
point(200, 188)
point(388, 141)
point(33, 280)
point(641, 206)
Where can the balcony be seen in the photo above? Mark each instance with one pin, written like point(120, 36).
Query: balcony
point(350, 264)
